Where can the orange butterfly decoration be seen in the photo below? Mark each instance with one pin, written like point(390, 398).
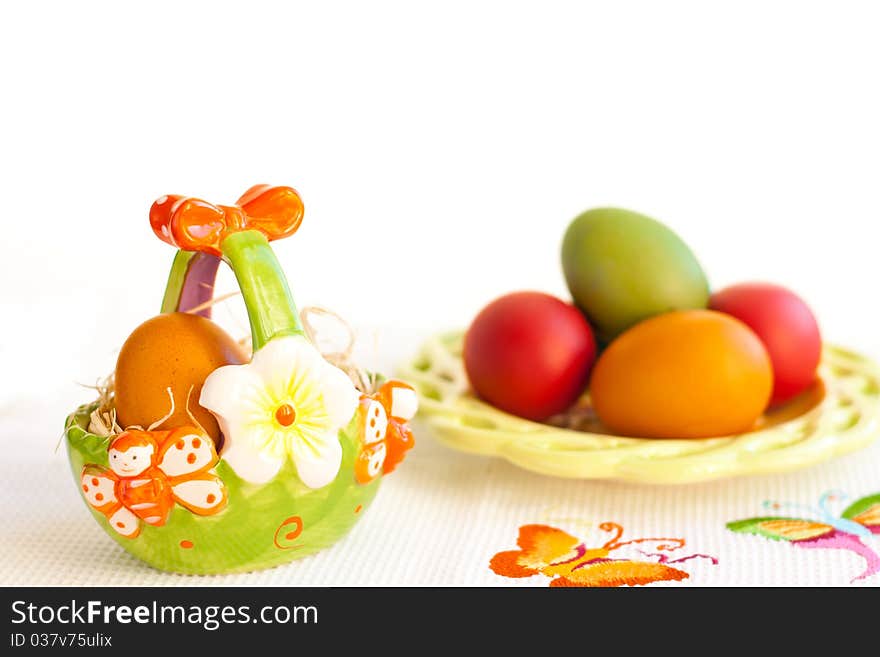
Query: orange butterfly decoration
point(383, 422)
point(192, 224)
point(150, 471)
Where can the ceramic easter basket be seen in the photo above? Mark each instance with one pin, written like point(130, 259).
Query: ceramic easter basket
point(272, 494)
point(839, 414)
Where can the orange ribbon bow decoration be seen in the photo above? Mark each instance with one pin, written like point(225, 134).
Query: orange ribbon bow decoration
point(192, 224)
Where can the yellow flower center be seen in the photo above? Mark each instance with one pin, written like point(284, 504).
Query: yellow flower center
point(285, 415)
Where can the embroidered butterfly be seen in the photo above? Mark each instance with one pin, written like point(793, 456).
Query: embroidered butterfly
point(149, 472)
point(828, 530)
point(569, 562)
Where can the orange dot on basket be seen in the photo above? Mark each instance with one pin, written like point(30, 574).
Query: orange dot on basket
point(99, 496)
point(94, 481)
point(191, 458)
point(196, 443)
point(120, 525)
point(211, 498)
point(179, 444)
point(286, 415)
point(85, 488)
point(186, 545)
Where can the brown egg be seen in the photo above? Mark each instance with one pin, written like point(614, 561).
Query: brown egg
point(175, 350)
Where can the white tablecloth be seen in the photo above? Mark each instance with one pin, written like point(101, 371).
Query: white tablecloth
point(440, 518)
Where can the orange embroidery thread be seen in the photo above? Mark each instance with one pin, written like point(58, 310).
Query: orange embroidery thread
point(569, 562)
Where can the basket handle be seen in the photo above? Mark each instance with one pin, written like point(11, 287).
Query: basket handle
point(239, 235)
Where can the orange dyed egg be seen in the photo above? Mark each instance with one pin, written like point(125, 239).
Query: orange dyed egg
point(176, 351)
point(685, 374)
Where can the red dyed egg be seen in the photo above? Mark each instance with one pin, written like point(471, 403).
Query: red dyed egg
point(786, 326)
point(530, 354)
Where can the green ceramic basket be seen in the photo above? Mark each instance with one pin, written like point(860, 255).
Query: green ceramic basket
point(263, 524)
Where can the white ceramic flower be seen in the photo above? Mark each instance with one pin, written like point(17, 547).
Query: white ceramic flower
point(288, 401)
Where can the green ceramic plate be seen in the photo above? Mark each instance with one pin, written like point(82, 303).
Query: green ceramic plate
point(840, 414)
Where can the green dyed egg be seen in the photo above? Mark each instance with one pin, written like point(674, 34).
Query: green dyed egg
point(623, 267)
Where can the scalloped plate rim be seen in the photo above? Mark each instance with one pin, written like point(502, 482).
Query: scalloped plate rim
point(739, 456)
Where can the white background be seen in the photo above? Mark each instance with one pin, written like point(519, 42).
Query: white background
point(440, 150)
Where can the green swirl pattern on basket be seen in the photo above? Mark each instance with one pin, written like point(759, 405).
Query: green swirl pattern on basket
point(840, 414)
